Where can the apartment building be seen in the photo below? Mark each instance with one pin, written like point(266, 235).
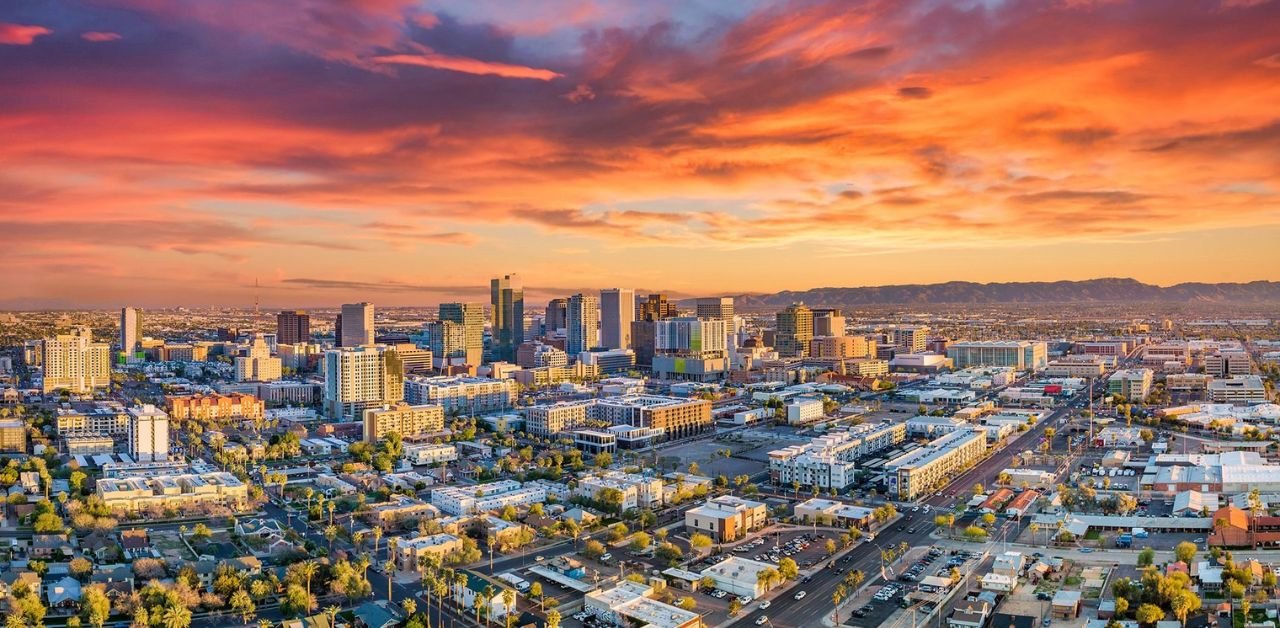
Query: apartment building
point(409, 421)
point(13, 436)
point(1022, 355)
point(258, 365)
point(410, 551)
point(75, 363)
point(148, 434)
point(676, 417)
point(726, 518)
point(842, 347)
point(548, 420)
point(461, 394)
point(429, 453)
point(1133, 384)
point(804, 410)
point(794, 331)
point(915, 473)
point(359, 378)
point(173, 492)
point(1227, 363)
point(638, 491)
point(467, 500)
point(215, 408)
point(911, 338)
point(109, 418)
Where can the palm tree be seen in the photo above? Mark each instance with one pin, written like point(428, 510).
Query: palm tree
point(837, 597)
point(390, 567)
point(358, 540)
point(331, 507)
point(377, 536)
point(410, 607)
point(460, 582)
point(509, 606)
point(332, 611)
point(265, 623)
point(491, 542)
point(442, 590)
point(331, 533)
point(176, 617)
point(308, 571)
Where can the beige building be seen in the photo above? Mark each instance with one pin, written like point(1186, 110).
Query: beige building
point(1133, 384)
point(173, 491)
point(676, 417)
point(842, 347)
point(109, 418)
point(215, 408)
point(795, 331)
point(75, 363)
point(88, 445)
point(1238, 389)
point(547, 420)
point(408, 421)
point(258, 366)
point(911, 338)
point(918, 472)
point(1079, 365)
point(359, 378)
point(13, 436)
point(411, 551)
point(726, 518)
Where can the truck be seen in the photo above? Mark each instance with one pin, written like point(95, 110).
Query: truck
point(1140, 533)
point(1124, 540)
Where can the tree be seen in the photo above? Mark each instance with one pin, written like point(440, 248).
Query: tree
point(553, 618)
point(830, 546)
point(788, 568)
point(330, 534)
point(687, 603)
point(1122, 606)
point(974, 533)
point(96, 605)
point(390, 568)
point(241, 603)
point(988, 519)
point(509, 606)
point(734, 607)
point(836, 597)
point(1149, 614)
point(978, 489)
point(640, 541)
point(80, 567)
point(699, 541)
point(1185, 551)
point(1183, 603)
point(535, 591)
point(1146, 557)
point(176, 616)
point(593, 549)
point(945, 520)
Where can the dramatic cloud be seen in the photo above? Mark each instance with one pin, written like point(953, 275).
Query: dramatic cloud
point(392, 147)
point(20, 34)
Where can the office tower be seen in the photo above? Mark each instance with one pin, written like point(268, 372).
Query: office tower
point(642, 341)
point(471, 317)
point(148, 434)
point(75, 363)
point(690, 349)
point(795, 330)
point(557, 315)
point(130, 331)
point(359, 378)
point(357, 324)
point(827, 322)
point(506, 295)
point(911, 338)
point(584, 314)
point(13, 436)
point(655, 307)
point(293, 328)
point(258, 365)
point(337, 330)
point(718, 308)
point(617, 310)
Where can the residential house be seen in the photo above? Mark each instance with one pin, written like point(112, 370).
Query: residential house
point(1065, 604)
point(48, 545)
point(377, 614)
point(970, 615)
point(64, 593)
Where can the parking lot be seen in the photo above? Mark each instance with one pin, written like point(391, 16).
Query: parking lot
point(883, 599)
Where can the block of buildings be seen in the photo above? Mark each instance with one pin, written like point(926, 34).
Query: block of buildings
point(468, 395)
point(726, 518)
point(918, 472)
point(466, 500)
point(409, 421)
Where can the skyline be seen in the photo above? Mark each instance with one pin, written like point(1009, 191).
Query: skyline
point(162, 153)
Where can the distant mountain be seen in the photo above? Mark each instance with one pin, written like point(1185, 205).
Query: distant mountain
point(966, 292)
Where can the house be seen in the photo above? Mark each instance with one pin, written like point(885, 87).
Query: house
point(378, 614)
point(319, 620)
point(580, 516)
point(998, 582)
point(1065, 604)
point(101, 546)
point(1008, 620)
point(47, 545)
point(15, 578)
point(64, 593)
point(1210, 575)
point(117, 579)
point(476, 585)
point(245, 565)
point(1009, 564)
point(135, 542)
point(970, 615)
point(206, 569)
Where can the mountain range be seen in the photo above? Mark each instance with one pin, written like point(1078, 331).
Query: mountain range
point(966, 292)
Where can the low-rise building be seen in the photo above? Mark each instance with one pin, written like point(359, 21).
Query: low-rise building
point(429, 453)
point(132, 493)
point(638, 491)
point(401, 508)
point(410, 552)
point(1238, 389)
point(409, 421)
point(829, 512)
point(466, 500)
point(915, 473)
point(804, 410)
point(1134, 384)
point(726, 518)
point(738, 576)
point(215, 408)
point(631, 604)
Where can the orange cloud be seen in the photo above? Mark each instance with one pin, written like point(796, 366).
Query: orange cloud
point(100, 36)
point(468, 66)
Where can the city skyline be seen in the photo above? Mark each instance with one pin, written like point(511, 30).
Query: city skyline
point(376, 150)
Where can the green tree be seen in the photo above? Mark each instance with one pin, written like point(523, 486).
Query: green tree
point(699, 541)
point(640, 541)
point(1149, 614)
point(1146, 557)
point(95, 605)
point(734, 607)
point(788, 568)
point(593, 549)
point(1185, 552)
point(241, 603)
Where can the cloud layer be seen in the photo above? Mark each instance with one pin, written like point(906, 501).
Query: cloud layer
point(408, 144)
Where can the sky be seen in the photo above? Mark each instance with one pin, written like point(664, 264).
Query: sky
point(173, 152)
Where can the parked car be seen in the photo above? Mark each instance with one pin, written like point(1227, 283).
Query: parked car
point(765, 604)
point(762, 620)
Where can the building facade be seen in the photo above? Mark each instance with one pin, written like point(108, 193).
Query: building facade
point(409, 421)
point(359, 378)
point(582, 325)
point(506, 296)
point(617, 311)
point(795, 331)
point(148, 434)
point(457, 394)
point(75, 363)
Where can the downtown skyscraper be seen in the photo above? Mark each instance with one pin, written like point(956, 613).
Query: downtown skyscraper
point(617, 311)
point(470, 317)
point(506, 296)
point(357, 325)
point(130, 331)
point(293, 327)
point(583, 325)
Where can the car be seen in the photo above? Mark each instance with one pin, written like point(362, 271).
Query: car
point(859, 613)
point(744, 599)
point(806, 579)
point(763, 619)
point(1086, 550)
point(1198, 540)
point(915, 509)
point(800, 595)
point(539, 559)
point(765, 604)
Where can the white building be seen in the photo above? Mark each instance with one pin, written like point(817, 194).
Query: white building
point(466, 500)
point(359, 378)
point(1238, 389)
point(74, 362)
point(738, 576)
point(357, 324)
point(258, 366)
point(148, 434)
point(469, 395)
point(804, 410)
point(827, 461)
point(638, 491)
point(429, 453)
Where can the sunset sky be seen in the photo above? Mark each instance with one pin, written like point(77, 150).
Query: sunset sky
point(169, 152)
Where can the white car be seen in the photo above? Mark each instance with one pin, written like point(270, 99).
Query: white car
point(762, 620)
point(765, 604)
point(800, 595)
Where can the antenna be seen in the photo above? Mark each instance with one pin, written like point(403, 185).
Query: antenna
point(257, 319)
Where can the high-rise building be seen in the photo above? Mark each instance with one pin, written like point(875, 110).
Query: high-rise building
point(75, 363)
point(718, 308)
point(911, 338)
point(1022, 355)
point(470, 316)
point(583, 332)
point(690, 348)
point(655, 308)
point(557, 315)
point(357, 324)
point(410, 422)
point(447, 341)
point(828, 322)
point(507, 298)
point(617, 310)
point(130, 331)
point(293, 328)
point(795, 331)
point(258, 366)
point(359, 378)
point(148, 434)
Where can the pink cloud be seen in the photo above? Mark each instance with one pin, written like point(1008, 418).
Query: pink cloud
point(21, 34)
point(100, 36)
point(468, 66)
